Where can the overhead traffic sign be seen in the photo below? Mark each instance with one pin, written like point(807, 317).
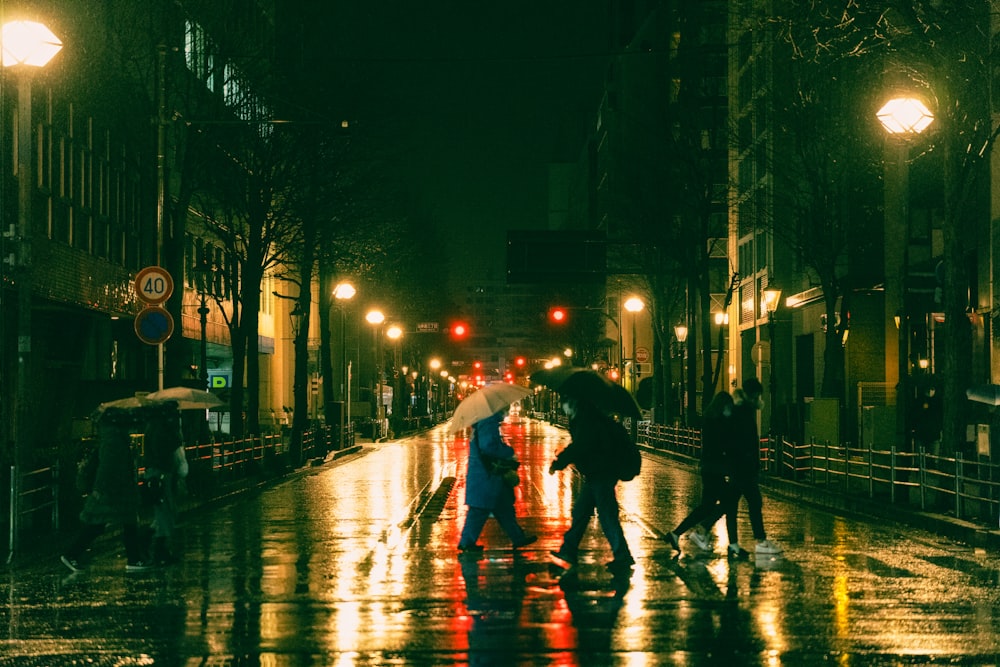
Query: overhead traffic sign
point(153, 325)
point(154, 285)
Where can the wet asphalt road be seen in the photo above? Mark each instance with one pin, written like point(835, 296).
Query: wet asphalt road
point(354, 563)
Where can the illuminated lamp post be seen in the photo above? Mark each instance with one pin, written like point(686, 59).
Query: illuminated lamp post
point(435, 372)
point(681, 334)
point(395, 333)
point(27, 45)
point(633, 305)
point(343, 293)
point(770, 297)
point(903, 118)
point(376, 318)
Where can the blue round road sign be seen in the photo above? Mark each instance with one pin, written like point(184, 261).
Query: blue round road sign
point(153, 325)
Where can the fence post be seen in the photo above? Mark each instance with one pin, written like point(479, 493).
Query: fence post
point(55, 495)
point(871, 473)
point(13, 514)
point(958, 485)
point(922, 477)
point(892, 474)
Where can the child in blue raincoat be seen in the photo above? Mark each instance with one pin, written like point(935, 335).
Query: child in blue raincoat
point(486, 490)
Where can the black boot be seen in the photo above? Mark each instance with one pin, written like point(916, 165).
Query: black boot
point(161, 552)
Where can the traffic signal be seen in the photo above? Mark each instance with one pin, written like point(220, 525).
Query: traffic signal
point(520, 362)
point(557, 315)
point(459, 330)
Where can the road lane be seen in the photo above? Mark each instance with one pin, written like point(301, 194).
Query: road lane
point(354, 563)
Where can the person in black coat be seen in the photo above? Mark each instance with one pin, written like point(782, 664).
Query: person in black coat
point(166, 468)
point(591, 453)
point(114, 498)
point(743, 455)
point(716, 434)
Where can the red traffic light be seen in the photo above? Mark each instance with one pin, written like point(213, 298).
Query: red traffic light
point(557, 315)
point(520, 362)
point(459, 330)
point(477, 365)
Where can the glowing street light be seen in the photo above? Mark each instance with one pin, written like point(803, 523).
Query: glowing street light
point(903, 118)
point(634, 305)
point(376, 318)
point(343, 293)
point(27, 45)
point(905, 115)
point(681, 334)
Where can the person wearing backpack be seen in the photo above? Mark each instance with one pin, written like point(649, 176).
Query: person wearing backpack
point(593, 453)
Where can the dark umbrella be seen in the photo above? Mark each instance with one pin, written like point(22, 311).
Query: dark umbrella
point(590, 386)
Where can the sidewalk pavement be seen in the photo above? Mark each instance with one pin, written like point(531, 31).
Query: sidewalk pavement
point(976, 535)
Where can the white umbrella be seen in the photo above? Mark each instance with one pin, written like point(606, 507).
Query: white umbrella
point(187, 398)
point(140, 400)
point(984, 393)
point(485, 402)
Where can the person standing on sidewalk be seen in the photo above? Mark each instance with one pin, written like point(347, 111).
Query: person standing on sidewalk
point(716, 434)
point(744, 470)
point(590, 452)
point(114, 497)
point(486, 491)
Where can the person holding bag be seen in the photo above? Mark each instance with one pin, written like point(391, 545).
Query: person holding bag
point(487, 492)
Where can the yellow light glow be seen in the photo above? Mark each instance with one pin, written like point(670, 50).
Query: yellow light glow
point(344, 291)
point(28, 43)
point(905, 115)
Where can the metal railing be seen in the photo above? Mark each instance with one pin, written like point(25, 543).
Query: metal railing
point(967, 489)
point(31, 493)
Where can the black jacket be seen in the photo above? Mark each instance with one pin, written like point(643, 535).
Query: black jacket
point(591, 448)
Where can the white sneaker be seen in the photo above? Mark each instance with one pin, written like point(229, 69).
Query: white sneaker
point(767, 547)
point(701, 539)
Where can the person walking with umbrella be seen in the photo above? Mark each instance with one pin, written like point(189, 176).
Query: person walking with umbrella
point(591, 452)
point(114, 497)
point(487, 489)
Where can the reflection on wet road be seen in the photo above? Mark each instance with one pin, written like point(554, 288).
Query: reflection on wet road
point(354, 563)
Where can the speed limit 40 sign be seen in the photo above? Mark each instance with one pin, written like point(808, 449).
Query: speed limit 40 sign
point(154, 285)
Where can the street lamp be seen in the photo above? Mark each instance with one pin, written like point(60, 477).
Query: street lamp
point(376, 318)
point(395, 333)
point(435, 366)
point(681, 334)
point(343, 293)
point(633, 305)
point(770, 297)
point(26, 44)
point(903, 118)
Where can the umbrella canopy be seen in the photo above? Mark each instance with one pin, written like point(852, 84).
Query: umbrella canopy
point(485, 402)
point(588, 385)
point(187, 398)
point(140, 400)
point(984, 393)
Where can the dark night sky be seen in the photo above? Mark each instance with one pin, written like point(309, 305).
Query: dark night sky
point(476, 97)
